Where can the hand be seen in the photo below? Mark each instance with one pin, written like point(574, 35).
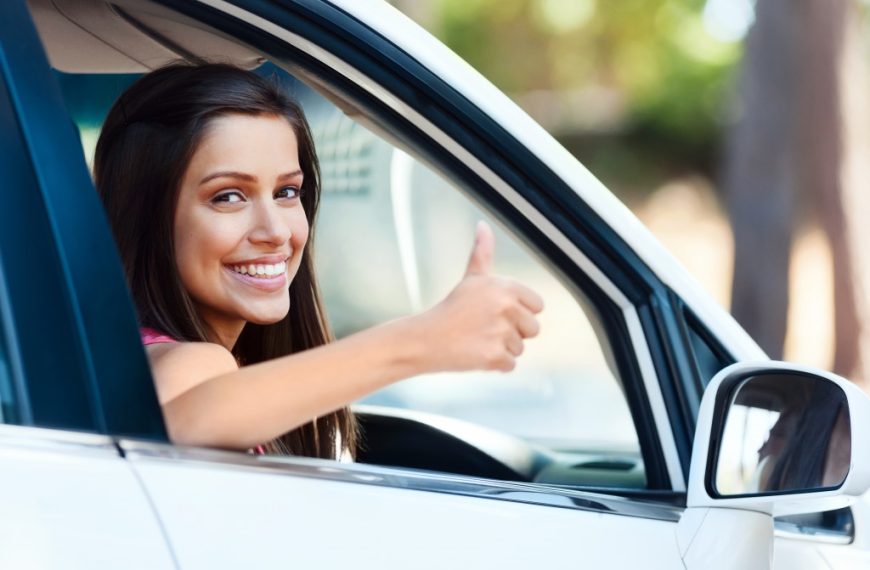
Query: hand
point(482, 323)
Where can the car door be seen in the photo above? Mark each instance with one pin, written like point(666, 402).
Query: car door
point(231, 510)
point(68, 497)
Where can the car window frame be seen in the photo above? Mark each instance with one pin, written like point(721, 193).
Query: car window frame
point(84, 368)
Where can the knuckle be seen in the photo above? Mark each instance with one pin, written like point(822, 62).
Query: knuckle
point(508, 364)
point(492, 360)
point(505, 300)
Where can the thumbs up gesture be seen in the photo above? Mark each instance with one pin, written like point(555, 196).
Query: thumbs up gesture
point(480, 261)
point(482, 323)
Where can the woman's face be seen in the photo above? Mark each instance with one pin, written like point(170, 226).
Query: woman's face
point(240, 227)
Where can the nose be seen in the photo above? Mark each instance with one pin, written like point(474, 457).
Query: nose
point(270, 226)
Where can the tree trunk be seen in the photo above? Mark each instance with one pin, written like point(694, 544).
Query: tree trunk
point(759, 174)
point(852, 314)
point(802, 136)
point(820, 152)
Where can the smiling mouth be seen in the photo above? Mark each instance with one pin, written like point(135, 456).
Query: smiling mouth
point(261, 270)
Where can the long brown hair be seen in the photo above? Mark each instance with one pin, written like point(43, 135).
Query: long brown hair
point(146, 143)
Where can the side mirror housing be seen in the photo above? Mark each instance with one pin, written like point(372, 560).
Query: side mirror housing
point(780, 439)
point(772, 439)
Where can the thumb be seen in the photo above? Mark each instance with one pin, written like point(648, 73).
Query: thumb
point(480, 262)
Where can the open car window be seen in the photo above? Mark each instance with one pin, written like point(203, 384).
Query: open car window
point(393, 238)
point(398, 196)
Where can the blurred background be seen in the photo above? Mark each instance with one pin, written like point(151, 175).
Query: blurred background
point(736, 130)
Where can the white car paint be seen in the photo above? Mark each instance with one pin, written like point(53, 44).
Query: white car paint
point(71, 501)
point(739, 529)
point(272, 520)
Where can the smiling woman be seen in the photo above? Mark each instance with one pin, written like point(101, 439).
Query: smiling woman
point(211, 184)
point(240, 224)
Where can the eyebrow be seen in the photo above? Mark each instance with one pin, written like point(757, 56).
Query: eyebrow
point(245, 177)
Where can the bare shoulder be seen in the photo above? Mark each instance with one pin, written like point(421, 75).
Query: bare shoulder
point(178, 367)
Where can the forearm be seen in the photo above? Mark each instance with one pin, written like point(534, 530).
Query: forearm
point(257, 403)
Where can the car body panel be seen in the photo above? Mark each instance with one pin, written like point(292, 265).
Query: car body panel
point(71, 501)
point(315, 512)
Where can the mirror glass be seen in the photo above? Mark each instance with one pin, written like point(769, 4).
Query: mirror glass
point(784, 433)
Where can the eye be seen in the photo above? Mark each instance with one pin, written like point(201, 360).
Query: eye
point(289, 192)
point(229, 197)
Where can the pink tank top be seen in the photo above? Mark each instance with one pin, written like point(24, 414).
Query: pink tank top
point(152, 336)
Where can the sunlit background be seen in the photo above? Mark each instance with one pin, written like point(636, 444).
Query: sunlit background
point(704, 116)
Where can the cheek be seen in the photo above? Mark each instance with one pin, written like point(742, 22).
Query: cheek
point(187, 259)
point(200, 245)
point(299, 231)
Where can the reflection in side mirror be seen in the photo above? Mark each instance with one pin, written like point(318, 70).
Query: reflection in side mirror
point(784, 432)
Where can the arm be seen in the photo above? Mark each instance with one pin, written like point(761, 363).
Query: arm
point(239, 408)
point(208, 400)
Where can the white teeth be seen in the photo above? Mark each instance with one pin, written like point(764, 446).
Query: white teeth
point(262, 271)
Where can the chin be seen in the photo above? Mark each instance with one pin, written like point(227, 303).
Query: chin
point(266, 316)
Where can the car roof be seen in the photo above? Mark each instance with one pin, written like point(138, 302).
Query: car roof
point(127, 36)
point(131, 36)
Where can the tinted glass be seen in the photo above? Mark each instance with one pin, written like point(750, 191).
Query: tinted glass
point(708, 360)
point(7, 394)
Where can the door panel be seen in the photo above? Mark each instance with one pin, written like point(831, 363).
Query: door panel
point(71, 501)
point(256, 514)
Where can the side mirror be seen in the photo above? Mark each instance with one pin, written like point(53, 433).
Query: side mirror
point(780, 439)
point(782, 433)
point(772, 439)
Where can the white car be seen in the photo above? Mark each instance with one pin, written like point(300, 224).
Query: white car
point(637, 432)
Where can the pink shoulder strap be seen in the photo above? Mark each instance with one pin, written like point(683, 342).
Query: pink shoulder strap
point(151, 336)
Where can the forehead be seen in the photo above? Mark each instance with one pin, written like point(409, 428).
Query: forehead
point(247, 142)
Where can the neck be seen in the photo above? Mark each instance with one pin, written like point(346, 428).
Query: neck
point(224, 332)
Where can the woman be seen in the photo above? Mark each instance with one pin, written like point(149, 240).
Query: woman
point(211, 184)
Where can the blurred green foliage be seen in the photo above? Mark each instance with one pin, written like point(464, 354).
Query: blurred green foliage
point(673, 76)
